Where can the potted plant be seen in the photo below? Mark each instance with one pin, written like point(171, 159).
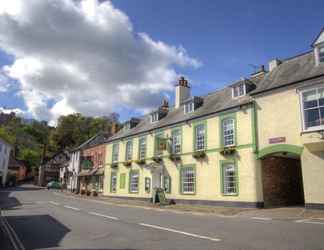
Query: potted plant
point(140, 161)
point(199, 154)
point(114, 165)
point(157, 159)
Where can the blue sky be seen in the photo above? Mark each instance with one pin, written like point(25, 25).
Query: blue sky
point(227, 37)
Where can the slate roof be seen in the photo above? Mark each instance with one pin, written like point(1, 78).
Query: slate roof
point(290, 71)
point(95, 140)
point(212, 103)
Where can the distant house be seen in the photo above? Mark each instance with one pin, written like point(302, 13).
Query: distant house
point(50, 170)
point(17, 168)
point(5, 149)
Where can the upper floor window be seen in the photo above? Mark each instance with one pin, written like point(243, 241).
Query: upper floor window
point(115, 152)
point(142, 148)
point(155, 117)
point(321, 54)
point(159, 144)
point(129, 151)
point(228, 126)
point(176, 141)
point(189, 107)
point(239, 90)
point(313, 108)
point(200, 134)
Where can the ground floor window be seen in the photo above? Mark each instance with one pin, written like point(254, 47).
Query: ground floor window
point(229, 179)
point(188, 180)
point(133, 181)
point(101, 183)
point(167, 184)
point(113, 182)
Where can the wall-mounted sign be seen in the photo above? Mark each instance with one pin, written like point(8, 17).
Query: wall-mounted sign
point(277, 140)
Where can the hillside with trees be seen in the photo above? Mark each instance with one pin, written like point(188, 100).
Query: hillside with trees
point(34, 140)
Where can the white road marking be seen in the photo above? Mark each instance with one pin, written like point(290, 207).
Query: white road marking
point(261, 218)
point(54, 203)
point(13, 236)
point(73, 208)
point(103, 215)
point(301, 221)
point(180, 232)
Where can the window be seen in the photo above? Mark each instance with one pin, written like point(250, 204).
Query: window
point(100, 159)
point(159, 144)
point(239, 90)
point(313, 108)
point(115, 153)
point(122, 181)
point(167, 184)
point(142, 148)
point(101, 183)
point(176, 141)
point(155, 117)
point(133, 181)
point(147, 184)
point(321, 54)
point(200, 137)
point(228, 126)
point(129, 151)
point(229, 179)
point(189, 107)
point(188, 180)
point(113, 187)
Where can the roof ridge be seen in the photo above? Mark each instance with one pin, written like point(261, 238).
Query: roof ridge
point(296, 56)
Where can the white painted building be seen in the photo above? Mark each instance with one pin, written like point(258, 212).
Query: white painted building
point(5, 149)
point(69, 174)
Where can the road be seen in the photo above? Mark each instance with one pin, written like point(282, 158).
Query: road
point(42, 219)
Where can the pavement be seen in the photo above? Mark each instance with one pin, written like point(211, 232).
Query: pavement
point(42, 219)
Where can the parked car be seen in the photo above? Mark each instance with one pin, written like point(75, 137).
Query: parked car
point(53, 185)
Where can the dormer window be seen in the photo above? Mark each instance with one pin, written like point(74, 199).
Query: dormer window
point(239, 90)
point(155, 116)
point(192, 104)
point(321, 54)
point(189, 107)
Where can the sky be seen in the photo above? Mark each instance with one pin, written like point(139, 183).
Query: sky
point(96, 57)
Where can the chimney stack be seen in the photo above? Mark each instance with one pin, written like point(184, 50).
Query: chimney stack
point(182, 92)
point(273, 64)
point(258, 75)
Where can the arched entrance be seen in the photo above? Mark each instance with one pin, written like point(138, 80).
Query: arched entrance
point(282, 175)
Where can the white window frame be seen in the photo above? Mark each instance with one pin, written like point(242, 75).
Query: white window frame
point(301, 102)
point(229, 135)
point(189, 107)
point(142, 148)
point(134, 182)
point(321, 46)
point(197, 140)
point(154, 117)
point(187, 181)
point(115, 152)
point(176, 141)
point(226, 182)
point(238, 87)
point(129, 151)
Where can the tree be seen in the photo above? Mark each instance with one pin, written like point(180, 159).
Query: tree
point(30, 157)
point(6, 136)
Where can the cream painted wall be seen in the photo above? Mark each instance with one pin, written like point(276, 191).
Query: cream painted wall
point(278, 115)
point(208, 174)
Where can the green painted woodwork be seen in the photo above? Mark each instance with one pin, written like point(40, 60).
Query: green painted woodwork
point(222, 118)
point(221, 164)
point(122, 181)
point(280, 148)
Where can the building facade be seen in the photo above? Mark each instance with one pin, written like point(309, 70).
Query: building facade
point(258, 142)
point(69, 173)
point(5, 149)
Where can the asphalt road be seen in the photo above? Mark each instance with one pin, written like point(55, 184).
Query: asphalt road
point(42, 219)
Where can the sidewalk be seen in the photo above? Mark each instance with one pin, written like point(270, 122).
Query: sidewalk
point(275, 213)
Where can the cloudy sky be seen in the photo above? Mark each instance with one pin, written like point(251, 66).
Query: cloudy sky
point(95, 57)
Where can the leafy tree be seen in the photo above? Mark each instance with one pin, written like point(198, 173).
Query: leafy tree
point(6, 136)
point(30, 157)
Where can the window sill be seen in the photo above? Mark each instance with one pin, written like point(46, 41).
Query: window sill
point(312, 130)
point(233, 194)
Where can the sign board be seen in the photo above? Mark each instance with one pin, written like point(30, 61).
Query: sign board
point(277, 140)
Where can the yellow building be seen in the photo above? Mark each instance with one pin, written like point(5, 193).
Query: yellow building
point(253, 143)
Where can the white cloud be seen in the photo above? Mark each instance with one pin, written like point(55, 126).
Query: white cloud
point(84, 56)
point(18, 112)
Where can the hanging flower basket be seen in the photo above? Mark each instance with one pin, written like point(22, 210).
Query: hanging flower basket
point(228, 151)
point(140, 162)
point(114, 165)
point(199, 154)
point(174, 157)
point(127, 163)
point(157, 159)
